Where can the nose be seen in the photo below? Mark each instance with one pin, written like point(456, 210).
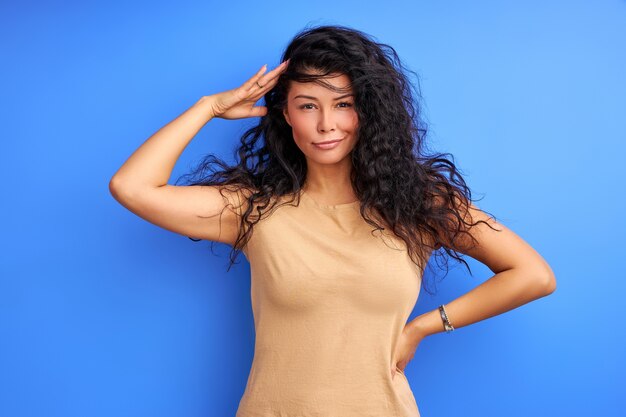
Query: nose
point(326, 122)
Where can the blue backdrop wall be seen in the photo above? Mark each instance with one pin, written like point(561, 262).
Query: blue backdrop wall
point(105, 314)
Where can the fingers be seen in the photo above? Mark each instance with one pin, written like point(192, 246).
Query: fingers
point(251, 82)
point(261, 80)
point(258, 111)
point(273, 74)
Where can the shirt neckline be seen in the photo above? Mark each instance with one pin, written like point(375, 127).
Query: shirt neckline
point(329, 206)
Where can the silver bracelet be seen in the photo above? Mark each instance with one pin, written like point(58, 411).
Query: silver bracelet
point(444, 317)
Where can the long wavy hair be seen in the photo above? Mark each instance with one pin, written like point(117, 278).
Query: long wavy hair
point(419, 195)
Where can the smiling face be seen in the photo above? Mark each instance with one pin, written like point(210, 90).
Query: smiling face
point(317, 114)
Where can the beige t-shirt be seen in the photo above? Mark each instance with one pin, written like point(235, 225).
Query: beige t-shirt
point(330, 300)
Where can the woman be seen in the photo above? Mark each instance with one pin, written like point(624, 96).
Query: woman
point(338, 209)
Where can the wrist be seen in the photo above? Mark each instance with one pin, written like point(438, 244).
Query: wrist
point(427, 324)
point(207, 103)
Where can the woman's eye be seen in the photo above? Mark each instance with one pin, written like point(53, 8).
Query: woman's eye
point(307, 106)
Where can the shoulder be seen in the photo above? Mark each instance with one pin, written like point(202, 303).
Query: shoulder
point(236, 195)
point(457, 214)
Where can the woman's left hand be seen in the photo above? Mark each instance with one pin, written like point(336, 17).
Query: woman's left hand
point(405, 349)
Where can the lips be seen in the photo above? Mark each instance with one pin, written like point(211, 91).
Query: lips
point(328, 141)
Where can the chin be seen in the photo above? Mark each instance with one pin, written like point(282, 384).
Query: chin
point(327, 159)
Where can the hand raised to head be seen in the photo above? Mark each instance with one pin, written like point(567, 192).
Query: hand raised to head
point(239, 102)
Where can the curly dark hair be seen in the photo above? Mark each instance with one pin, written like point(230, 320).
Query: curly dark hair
point(419, 195)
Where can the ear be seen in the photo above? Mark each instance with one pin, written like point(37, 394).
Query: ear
point(286, 114)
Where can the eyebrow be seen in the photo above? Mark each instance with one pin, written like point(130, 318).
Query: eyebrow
point(314, 98)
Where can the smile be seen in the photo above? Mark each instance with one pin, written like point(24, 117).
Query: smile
point(328, 144)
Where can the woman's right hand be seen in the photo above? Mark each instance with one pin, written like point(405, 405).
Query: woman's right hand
point(238, 103)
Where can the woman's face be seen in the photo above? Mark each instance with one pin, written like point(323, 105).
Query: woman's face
point(317, 114)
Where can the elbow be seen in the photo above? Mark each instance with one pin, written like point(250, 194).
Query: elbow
point(118, 190)
point(541, 281)
point(548, 281)
point(550, 284)
point(544, 281)
point(114, 188)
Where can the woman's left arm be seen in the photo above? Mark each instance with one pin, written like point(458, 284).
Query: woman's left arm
point(521, 276)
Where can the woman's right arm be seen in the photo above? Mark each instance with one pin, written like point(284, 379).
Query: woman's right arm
point(141, 186)
point(197, 211)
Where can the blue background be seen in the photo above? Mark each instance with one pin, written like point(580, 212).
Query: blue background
point(105, 314)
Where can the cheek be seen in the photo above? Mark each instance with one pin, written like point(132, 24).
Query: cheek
point(302, 126)
point(305, 124)
point(354, 120)
point(298, 121)
point(350, 122)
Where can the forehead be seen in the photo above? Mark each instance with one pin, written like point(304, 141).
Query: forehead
point(339, 81)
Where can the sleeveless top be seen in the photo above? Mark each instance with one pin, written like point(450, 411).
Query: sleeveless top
point(330, 299)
